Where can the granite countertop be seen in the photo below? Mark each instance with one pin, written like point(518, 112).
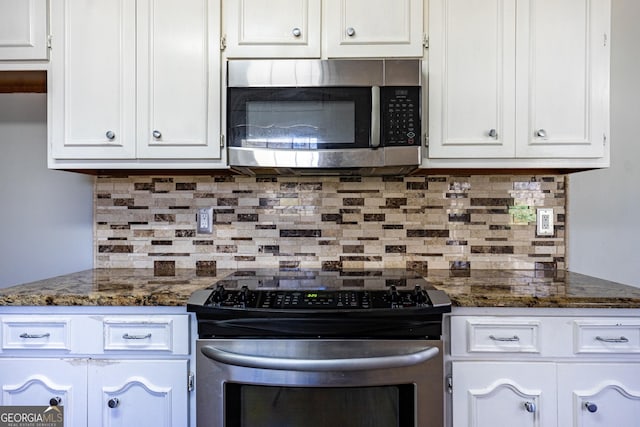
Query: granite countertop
point(476, 288)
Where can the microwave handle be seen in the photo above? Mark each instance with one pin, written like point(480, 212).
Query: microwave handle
point(375, 117)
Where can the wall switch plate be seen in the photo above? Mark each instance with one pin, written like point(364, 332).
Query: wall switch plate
point(205, 221)
point(544, 222)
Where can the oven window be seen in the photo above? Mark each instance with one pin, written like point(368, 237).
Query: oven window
point(299, 118)
point(269, 406)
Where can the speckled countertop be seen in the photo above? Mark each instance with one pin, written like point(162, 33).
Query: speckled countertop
point(477, 288)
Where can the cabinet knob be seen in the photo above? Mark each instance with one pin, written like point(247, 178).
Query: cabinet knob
point(541, 133)
point(351, 31)
point(55, 401)
point(591, 407)
point(110, 135)
point(530, 407)
point(157, 134)
point(493, 133)
point(113, 402)
point(297, 32)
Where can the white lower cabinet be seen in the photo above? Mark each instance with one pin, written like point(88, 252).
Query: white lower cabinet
point(559, 370)
point(599, 395)
point(104, 370)
point(503, 394)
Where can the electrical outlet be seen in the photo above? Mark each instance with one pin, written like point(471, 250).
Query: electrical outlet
point(544, 222)
point(205, 221)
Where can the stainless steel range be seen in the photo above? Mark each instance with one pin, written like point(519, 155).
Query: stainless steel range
point(317, 348)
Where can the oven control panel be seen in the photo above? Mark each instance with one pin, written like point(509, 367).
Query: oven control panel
point(318, 299)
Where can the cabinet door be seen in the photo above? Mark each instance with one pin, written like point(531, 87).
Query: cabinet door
point(373, 28)
point(563, 78)
point(92, 80)
point(178, 81)
point(471, 78)
point(599, 395)
point(496, 394)
point(23, 29)
point(141, 393)
point(272, 29)
point(35, 382)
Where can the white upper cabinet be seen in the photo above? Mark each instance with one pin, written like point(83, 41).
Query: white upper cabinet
point(23, 30)
point(524, 80)
point(373, 28)
point(270, 29)
point(327, 28)
point(134, 82)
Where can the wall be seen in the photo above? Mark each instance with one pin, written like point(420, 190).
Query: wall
point(604, 228)
point(436, 222)
point(46, 217)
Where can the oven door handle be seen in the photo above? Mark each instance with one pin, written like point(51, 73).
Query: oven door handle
point(320, 365)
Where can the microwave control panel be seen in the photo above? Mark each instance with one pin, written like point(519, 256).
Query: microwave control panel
point(400, 113)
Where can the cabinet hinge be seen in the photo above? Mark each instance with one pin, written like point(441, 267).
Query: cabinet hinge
point(223, 42)
point(190, 381)
point(425, 40)
point(221, 141)
point(604, 139)
point(426, 140)
point(449, 384)
point(49, 38)
point(605, 39)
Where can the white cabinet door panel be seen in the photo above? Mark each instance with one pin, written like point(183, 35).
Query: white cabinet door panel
point(471, 78)
point(93, 80)
point(503, 394)
point(272, 29)
point(564, 73)
point(373, 28)
point(23, 30)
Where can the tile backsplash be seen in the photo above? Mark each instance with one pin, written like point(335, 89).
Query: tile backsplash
point(435, 222)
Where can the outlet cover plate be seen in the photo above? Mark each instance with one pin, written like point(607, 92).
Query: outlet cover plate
point(544, 222)
point(205, 221)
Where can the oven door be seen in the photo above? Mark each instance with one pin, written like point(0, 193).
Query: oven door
point(314, 383)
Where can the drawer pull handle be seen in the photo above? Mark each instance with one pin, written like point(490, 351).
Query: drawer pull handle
point(55, 401)
point(34, 336)
point(530, 407)
point(136, 337)
point(113, 402)
point(615, 340)
point(514, 338)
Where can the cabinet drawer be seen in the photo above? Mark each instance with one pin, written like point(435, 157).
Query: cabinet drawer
point(494, 335)
point(610, 336)
point(33, 333)
point(138, 333)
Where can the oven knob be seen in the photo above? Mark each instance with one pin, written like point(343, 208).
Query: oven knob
point(419, 296)
point(219, 294)
point(245, 294)
point(394, 295)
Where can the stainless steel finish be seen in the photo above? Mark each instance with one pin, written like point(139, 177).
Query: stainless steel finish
point(157, 134)
point(493, 133)
point(591, 407)
point(110, 135)
point(319, 73)
point(541, 133)
point(386, 161)
point(613, 340)
point(320, 365)
point(530, 407)
point(212, 375)
point(296, 32)
point(351, 31)
point(514, 338)
point(34, 336)
point(375, 117)
point(113, 402)
point(136, 337)
point(55, 401)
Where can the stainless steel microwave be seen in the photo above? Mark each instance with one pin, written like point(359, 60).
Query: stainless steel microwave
point(324, 116)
